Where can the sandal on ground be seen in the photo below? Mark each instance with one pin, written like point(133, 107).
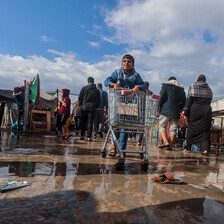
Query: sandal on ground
point(67, 137)
point(205, 153)
point(164, 146)
point(167, 178)
point(113, 152)
point(139, 143)
point(89, 139)
point(82, 138)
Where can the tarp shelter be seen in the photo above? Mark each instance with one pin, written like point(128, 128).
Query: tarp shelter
point(218, 110)
point(9, 115)
point(218, 115)
point(47, 102)
point(8, 108)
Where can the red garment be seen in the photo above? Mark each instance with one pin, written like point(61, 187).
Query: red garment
point(182, 121)
point(66, 99)
point(65, 109)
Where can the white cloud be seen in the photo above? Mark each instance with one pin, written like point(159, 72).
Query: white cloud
point(46, 39)
point(64, 71)
point(168, 38)
point(94, 44)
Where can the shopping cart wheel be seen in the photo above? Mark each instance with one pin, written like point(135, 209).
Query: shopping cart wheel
point(103, 154)
point(141, 156)
point(144, 166)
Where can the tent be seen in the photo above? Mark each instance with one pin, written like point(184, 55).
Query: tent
point(8, 107)
point(47, 102)
point(218, 110)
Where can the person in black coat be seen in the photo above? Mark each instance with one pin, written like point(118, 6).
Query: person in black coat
point(199, 113)
point(89, 99)
point(172, 101)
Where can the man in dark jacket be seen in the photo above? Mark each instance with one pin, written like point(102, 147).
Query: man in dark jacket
point(89, 99)
point(172, 101)
point(99, 115)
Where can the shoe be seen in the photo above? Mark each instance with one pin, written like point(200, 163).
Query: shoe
point(164, 146)
point(205, 153)
point(113, 152)
point(89, 139)
point(94, 137)
point(62, 137)
point(101, 135)
point(139, 143)
point(67, 137)
point(82, 138)
point(169, 149)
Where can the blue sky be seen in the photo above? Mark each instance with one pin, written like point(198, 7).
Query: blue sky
point(32, 27)
point(66, 41)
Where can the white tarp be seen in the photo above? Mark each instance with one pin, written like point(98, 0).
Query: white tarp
point(218, 105)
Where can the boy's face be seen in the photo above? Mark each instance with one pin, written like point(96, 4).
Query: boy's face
point(127, 64)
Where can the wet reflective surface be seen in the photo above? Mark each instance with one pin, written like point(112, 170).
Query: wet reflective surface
point(72, 183)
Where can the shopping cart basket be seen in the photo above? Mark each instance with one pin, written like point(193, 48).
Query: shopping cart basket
point(130, 112)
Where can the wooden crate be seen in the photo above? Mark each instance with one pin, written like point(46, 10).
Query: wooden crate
point(40, 120)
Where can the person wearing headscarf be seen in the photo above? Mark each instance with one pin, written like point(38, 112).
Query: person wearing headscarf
point(64, 105)
point(199, 113)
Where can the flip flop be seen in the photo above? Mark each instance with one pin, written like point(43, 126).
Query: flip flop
point(164, 146)
point(67, 137)
point(113, 152)
point(204, 154)
point(167, 178)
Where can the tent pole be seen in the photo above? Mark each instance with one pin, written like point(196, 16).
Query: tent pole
point(26, 107)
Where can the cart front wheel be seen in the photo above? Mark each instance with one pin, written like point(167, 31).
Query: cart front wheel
point(141, 156)
point(103, 154)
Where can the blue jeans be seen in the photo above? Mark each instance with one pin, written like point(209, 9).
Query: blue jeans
point(123, 139)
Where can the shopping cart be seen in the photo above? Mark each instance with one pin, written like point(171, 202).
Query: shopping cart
point(130, 112)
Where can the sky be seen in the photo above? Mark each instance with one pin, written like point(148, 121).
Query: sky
point(66, 41)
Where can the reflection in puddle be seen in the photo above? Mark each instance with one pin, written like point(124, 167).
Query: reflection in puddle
point(71, 176)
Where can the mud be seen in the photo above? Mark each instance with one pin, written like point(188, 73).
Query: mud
point(72, 183)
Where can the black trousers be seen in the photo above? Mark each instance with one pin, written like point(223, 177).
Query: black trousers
point(98, 122)
point(87, 122)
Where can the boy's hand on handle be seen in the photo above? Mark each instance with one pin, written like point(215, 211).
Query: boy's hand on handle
point(115, 86)
point(136, 88)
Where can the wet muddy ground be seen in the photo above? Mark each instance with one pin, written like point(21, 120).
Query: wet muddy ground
point(72, 183)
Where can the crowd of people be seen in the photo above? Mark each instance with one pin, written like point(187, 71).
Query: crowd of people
point(91, 108)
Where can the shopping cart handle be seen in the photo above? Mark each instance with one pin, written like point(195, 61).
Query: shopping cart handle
point(155, 96)
point(126, 92)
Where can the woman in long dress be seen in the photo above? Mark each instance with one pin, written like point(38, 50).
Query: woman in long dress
point(199, 113)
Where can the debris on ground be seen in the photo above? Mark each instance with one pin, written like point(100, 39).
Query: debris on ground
point(13, 185)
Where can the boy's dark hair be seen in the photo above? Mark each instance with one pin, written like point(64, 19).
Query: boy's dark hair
point(99, 85)
point(172, 78)
point(128, 56)
point(90, 80)
point(146, 84)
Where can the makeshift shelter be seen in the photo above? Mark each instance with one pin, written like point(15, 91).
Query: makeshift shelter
point(47, 103)
point(217, 134)
point(8, 108)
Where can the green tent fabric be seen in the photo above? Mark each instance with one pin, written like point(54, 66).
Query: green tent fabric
point(35, 90)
